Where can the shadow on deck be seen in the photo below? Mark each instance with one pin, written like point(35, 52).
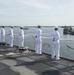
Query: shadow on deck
point(28, 63)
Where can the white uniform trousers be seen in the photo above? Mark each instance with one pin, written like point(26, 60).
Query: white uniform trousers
point(21, 41)
point(38, 46)
point(2, 38)
point(55, 50)
point(11, 41)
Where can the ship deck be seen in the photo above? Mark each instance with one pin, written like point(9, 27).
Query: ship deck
point(28, 63)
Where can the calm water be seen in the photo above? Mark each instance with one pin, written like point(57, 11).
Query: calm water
point(46, 31)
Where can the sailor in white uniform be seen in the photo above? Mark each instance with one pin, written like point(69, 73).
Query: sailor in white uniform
point(38, 34)
point(3, 34)
point(56, 44)
point(11, 36)
point(21, 38)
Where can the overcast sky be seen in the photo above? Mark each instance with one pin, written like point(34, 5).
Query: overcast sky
point(37, 12)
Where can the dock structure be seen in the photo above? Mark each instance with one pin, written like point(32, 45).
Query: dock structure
point(12, 62)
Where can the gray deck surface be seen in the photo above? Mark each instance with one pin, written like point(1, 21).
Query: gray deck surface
point(28, 63)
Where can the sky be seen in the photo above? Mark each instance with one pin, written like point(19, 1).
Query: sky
point(37, 12)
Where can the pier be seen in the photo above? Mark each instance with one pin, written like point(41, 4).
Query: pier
point(12, 62)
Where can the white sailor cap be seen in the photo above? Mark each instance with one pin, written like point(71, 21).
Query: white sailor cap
point(56, 27)
point(21, 27)
point(11, 26)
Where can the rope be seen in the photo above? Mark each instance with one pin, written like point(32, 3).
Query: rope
point(46, 44)
point(70, 47)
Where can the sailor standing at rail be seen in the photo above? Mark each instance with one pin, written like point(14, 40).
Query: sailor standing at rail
point(21, 38)
point(38, 34)
point(3, 34)
point(56, 44)
point(11, 37)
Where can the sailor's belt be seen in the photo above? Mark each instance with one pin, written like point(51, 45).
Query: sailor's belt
point(37, 36)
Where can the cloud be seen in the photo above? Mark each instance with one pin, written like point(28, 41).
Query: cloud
point(36, 11)
point(22, 8)
point(34, 3)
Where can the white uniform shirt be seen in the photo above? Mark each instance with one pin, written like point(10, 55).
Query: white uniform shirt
point(11, 32)
point(21, 34)
point(38, 33)
point(55, 36)
point(3, 31)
